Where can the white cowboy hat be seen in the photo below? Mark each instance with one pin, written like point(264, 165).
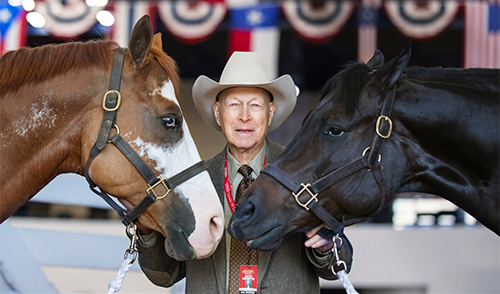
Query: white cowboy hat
point(245, 69)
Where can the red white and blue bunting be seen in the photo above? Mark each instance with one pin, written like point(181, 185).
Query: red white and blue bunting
point(314, 21)
point(192, 21)
point(421, 20)
point(12, 27)
point(67, 20)
point(126, 14)
point(317, 22)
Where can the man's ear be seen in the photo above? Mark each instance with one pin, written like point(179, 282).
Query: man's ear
point(272, 109)
point(216, 108)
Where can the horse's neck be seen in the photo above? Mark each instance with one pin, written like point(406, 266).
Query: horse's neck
point(452, 136)
point(459, 116)
point(41, 136)
point(475, 78)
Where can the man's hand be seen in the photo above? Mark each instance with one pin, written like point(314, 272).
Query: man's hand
point(316, 241)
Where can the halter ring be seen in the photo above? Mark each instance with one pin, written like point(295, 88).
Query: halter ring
point(117, 132)
point(366, 150)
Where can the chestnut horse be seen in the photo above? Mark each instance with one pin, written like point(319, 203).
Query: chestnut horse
point(51, 112)
point(431, 130)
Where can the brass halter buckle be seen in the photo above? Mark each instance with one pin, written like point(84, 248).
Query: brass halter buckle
point(305, 188)
point(118, 100)
point(377, 127)
point(151, 188)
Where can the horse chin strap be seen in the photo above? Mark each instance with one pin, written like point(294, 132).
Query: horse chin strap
point(368, 160)
point(158, 187)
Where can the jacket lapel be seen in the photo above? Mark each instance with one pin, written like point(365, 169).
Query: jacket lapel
point(216, 171)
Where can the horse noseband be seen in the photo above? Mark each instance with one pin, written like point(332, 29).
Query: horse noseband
point(370, 161)
point(110, 104)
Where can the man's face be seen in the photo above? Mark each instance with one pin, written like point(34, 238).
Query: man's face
point(244, 114)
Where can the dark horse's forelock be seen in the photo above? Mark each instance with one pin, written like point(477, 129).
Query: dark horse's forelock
point(346, 87)
point(35, 65)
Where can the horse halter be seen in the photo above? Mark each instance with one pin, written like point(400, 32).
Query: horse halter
point(110, 104)
point(369, 160)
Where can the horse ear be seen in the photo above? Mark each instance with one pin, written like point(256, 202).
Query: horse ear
point(141, 40)
point(392, 70)
point(157, 43)
point(377, 60)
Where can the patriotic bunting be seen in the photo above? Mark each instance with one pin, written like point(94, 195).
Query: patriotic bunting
point(254, 25)
point(255, 28)
point(421, 20)
point(482, 34)
point(127, 13)
point(317, 21)
point(67, 19)
point(192, 21)
point(12, 27)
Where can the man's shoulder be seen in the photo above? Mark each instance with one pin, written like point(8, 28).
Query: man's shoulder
point(216, 163)
point(273, 149)
point(217, 158)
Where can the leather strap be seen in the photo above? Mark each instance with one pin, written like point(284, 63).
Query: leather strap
point(135, 159)
point(339, 174)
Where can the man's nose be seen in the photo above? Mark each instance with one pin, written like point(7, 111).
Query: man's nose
point(245, 113)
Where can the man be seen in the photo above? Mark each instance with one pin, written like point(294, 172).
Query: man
point(244, 106)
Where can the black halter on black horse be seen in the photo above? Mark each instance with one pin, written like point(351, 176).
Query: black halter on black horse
point(440, 135)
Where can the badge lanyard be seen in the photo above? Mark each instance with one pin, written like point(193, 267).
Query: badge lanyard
point(227, 185)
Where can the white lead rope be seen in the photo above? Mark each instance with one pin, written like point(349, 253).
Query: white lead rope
point(349, 288)
point(116, 283)
point(341, 274)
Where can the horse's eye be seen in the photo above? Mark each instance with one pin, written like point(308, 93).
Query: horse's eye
point(335, 132)
point(169, 122)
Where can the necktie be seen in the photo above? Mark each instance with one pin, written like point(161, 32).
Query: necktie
point(240, 253)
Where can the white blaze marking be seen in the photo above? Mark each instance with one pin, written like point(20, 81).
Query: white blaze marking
point(199, 190)
point(167, 91)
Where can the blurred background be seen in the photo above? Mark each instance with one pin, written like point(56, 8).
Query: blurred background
point(66, 240)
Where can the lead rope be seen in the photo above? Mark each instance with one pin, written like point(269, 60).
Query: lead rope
point(342, 274)
point(116, 283)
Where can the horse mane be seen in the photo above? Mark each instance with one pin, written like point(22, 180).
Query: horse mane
point(347, 85)
point(34, 65)
point(477, 78)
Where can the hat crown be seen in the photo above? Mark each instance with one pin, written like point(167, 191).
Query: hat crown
point(244, 68)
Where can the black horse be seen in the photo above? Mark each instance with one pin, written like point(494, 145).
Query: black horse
point(437, 133)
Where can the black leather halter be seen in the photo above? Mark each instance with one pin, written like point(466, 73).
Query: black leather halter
point(369, 160)
point(111, 103)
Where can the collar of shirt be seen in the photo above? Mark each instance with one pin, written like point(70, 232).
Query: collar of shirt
point(256, 164)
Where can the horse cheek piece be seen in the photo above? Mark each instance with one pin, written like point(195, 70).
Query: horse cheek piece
point(158, 187)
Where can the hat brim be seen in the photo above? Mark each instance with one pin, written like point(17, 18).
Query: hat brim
point(205, 90)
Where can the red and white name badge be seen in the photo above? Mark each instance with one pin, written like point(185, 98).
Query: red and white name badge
point(248, 279)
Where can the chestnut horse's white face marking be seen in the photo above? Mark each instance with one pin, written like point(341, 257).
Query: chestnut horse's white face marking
point(199, 190)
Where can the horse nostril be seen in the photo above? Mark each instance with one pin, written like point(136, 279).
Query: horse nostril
point(247, 211)
point(216, 227)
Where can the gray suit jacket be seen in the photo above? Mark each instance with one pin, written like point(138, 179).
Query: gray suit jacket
point(291, 268)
